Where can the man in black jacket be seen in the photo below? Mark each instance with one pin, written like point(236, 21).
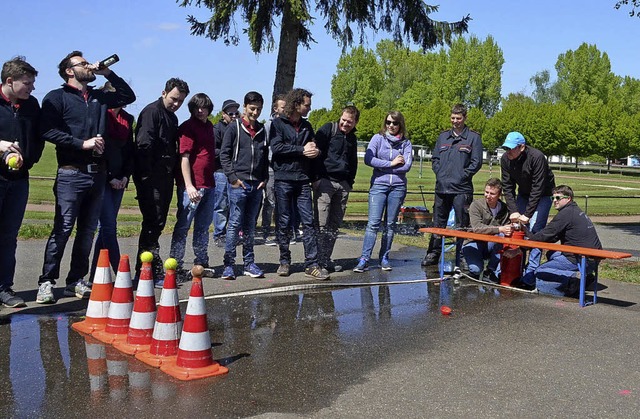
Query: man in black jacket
point(457, 157)
point(74, 119)
point(20, 147)
point(558, 276)
point(526, 168)
point(335, 172)
point(293, 149)
point(156, 158)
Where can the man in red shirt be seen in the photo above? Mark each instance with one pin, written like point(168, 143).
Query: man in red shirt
point(195, 184)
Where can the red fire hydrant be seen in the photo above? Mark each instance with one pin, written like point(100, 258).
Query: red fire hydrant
point(511, 261)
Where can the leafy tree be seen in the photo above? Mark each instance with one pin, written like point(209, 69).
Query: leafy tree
point(634, 4)
point(405, 20)
point(544, 90)
point(585, 71)
point(358, 79)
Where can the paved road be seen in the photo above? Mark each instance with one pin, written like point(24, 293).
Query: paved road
point(382, 351)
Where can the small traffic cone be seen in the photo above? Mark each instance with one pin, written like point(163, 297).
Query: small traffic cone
point(121, 306)
point(118, 374)
point(166, 332)
point(96, 366)
point(98, 307)
point(195, 359)
point(143, 316)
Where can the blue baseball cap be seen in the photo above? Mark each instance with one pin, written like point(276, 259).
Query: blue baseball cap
point(513, 140)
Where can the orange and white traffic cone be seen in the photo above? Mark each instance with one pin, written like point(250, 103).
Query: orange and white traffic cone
point(166, 332)
point(195, 359)
point(98, 307)
point(96, 366)
point(118, 374)
point(121, 306)
point(143, 316)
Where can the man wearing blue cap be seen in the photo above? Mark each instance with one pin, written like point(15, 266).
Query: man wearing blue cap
point(527, 169)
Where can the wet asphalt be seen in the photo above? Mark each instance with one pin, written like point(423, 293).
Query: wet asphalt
point(348, 351)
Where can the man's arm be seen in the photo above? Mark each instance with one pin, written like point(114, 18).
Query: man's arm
point(508, 185)
point(539, 171)
point(476, 157)
point(52, 122)
point(279, 146)
point(123, 94)
point(147, 136)
point(226, 151)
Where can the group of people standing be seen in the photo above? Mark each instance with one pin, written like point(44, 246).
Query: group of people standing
point(225, 173)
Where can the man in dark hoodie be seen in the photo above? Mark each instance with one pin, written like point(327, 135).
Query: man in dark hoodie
point(293, 148)
point(335, 171)
point(20, 147)
point(156, 160)
point(526, 169)
point(74, 118)
point(571, 226)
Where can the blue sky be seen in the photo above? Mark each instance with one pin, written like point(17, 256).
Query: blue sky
point(153, 41)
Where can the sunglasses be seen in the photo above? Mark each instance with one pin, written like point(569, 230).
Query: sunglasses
point(392, 123)
point(233, 114)
point(558, 197)
point(82, 64)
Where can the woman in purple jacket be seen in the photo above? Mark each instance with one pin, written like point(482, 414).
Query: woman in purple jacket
point(390, 154)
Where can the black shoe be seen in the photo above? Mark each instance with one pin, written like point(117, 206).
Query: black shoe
point(523, 286)
point(182, 276)
point(283, 269)
point(430, 259)
point(490, 276)
point(8, 298)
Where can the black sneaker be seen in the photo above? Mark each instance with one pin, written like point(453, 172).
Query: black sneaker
point(270, 242)
point(317, 272)
point(182, 276)
point(430, 259)
point(8, 298)
point(490, 276)
point(283, 269)
point(523, 285)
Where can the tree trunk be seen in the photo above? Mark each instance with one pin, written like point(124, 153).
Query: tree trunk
point(287, 53)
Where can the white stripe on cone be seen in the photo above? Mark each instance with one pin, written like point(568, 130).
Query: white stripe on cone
point(200, 341)
point(142, 320)
point(196, 306)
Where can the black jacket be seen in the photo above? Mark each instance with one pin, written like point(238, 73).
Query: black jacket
point(338, 159)
point(156, 151)
point(287, 146)
point(119, 153)
point(21, 125)
point(572, 227)
point(243, 157)
point(218, 133)
point(455, 160)
point(531, 173)
point(68, 119)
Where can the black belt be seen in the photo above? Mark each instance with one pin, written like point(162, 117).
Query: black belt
point(92, 168)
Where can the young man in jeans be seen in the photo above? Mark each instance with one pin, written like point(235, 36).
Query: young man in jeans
point(20, 148)
point(195, 185)
point(245, 160)
point(293, 149)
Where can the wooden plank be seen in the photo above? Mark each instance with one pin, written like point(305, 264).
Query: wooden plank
point(597, 253)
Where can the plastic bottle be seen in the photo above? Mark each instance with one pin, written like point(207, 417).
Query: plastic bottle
point(194, 205)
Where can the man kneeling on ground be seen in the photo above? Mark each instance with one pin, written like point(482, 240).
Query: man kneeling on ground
point(560, 274)
point(488, 215)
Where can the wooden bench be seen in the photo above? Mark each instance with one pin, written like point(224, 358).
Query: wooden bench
point(584, 252)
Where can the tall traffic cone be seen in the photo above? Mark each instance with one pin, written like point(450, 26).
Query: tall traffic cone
point(195, 359)
point(121, 306)
point(166, 332)
point(144, 312)
point(98, 307)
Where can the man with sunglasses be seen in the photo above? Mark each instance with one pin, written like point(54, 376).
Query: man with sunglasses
point(526, 169)
point(230, 111)
point(457, 157)
point(560, 275)
point(74, 119)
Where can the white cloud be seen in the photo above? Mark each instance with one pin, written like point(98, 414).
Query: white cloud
point(168, 26)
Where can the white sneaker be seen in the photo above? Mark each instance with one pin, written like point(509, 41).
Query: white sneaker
point(45, 294)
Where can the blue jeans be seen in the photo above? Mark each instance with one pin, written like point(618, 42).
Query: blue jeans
point(475, 253)
point(552, 277)
point(221, 204)
point(13, 201)
point(298, 192)
point(107, 228)
point(383, 199)
point(78, 198)
point(201, 217)
point(537, 222)
point(244, 205)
